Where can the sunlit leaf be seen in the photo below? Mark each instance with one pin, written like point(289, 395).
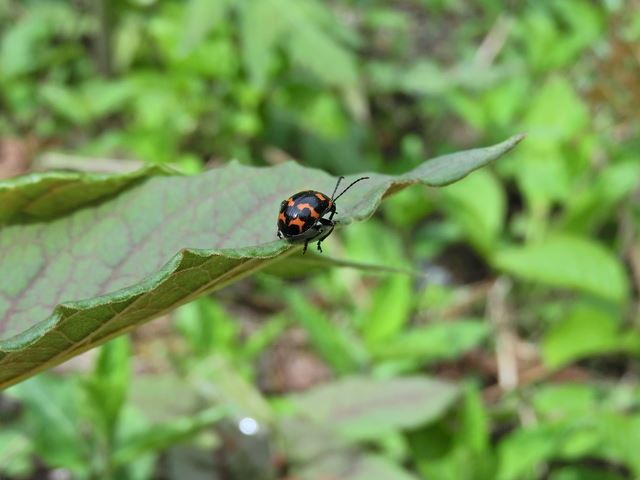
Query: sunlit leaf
point(354, 467)
point(361, 407)
point(585, 331)
point(74, 274)
point(569, 262)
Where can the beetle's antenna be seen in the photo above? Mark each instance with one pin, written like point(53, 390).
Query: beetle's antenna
point(337, 184)
point(352, 184)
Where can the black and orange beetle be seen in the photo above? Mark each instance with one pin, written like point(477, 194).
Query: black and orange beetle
point(301, 217)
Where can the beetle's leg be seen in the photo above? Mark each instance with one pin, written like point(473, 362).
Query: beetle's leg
point(279, 234)
point(327, 223)
point(304, 250)
point(333, 212)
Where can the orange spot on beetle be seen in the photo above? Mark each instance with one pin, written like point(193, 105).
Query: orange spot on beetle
point(321, 196)
point(312, 211)
point(297, 221)
point(290, 201)
point(282, 218)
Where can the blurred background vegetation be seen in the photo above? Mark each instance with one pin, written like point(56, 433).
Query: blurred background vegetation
point(533, 265)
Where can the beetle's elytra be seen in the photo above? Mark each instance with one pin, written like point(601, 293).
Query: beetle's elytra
point(302, 216)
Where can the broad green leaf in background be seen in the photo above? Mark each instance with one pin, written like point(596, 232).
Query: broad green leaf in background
point(601, 434)
point(361, 408)
point(161, 436)
point(107, 387)
point(317, 450)
point(524, 449)
point(594, 204)
point(53, 422)
point(436, 341)
point(332, 344)
point(262, 27)
point(354, 467)
point(15, 453)
point(583, 473)
point(478, 205)
point(207, 327)
point(569, 262)
point(201, 16)
point(299, 28)
point(445, 449)
point(586, 331)
point(389, 310)
point(74, 274)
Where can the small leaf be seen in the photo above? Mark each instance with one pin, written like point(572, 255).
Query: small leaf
point(362, 408)
point(584, 473)
point(438, 341)
point(389, 311)
point(16, 453)
point(201, 16)
point(53, 422)
point(108, 386)
point(353, 467)
point(166, 434)
point(586, 331)
point(262, 26)
point(331, 343)
point(569, 262)
point(524, 449)
point(75, 273)
point(481, 220)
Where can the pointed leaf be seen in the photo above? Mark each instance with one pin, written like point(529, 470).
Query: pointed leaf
point(74, 274)
point(362, 408)
point(569, 262)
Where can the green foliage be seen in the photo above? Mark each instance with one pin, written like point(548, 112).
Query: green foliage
point(587, 330)
point(87, 427)
point(160, 272)
point(360, 408)
point(436, 341)
point(570, 262)
point(346, 87)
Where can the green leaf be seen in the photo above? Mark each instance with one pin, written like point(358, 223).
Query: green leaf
point(201, 16)
point(53, 421)
point(219, 382)
point(330, 342)
point(43, 196)
point(107, 387)
point(262, 26)
point(437, 341)
point(482, 220)
point(15, 454)
point(569, 262)
point(354, 467)
point(389, 310)
point(595, 204)
point(206, 326)
point(524, 449)
point(586, 331)
point(163, 435)
point(365, 408)
point(74, 274)
point(602, 435)
point(308, 22)
point(584, 473)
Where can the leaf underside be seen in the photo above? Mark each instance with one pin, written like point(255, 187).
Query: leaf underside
point(84, 258)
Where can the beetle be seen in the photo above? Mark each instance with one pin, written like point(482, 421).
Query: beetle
point(302, 215)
